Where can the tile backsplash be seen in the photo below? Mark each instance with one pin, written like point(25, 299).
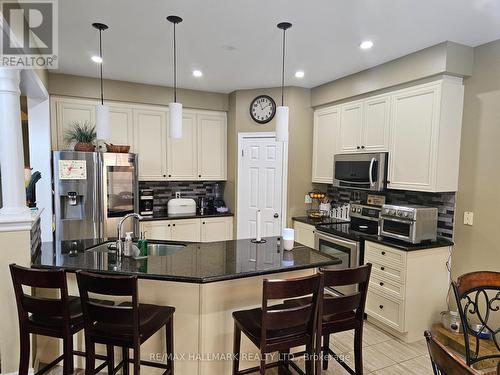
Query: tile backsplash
point(165, 190)
point(445, 203)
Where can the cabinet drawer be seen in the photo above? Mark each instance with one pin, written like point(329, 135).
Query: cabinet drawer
point(385, 310)
point(385, 254)
point(387, 286)
point(387, 271)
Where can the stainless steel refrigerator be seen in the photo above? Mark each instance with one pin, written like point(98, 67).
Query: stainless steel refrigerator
point(92, 192)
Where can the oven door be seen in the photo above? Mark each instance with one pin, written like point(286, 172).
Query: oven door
point(399, 229)
point(348, 251)
point(360, 171)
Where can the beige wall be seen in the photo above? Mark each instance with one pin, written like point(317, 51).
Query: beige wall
point(299, 146)
point(448, 57)
point(477, 247)
point(87, 87)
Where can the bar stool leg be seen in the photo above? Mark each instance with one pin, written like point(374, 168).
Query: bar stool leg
point(24, 359)
point(89, 358)
point(110, 353)
point(68, 366)
point(125, 361)
point(309, 363)
point(236, 349)
point(262, 363)
point(358, 350)
point(137, 360)
point(326, 354)
point(169, 333)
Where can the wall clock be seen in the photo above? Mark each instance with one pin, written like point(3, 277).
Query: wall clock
point(262, 109)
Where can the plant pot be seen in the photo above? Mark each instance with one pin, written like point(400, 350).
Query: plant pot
point(87, 147)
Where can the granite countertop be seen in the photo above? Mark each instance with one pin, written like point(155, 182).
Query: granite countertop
point(186, 262)
point(440, 242)
point(163, 216)
point(325, 220)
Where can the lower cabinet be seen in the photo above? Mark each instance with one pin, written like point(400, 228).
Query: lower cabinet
point(407, 289)
point(190, 230)
point(304, 234)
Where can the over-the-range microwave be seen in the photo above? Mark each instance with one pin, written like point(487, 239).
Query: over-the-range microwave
point(360, 171)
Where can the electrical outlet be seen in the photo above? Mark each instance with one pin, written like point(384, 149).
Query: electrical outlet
point(307, 199)
point(468, 218)
point(177, 194)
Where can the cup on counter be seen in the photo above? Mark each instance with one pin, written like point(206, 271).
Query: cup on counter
point(288, 238)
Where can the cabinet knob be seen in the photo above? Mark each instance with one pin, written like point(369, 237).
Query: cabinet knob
point(173, 225)
point(169, 175)
point(164, 175)
point(358, 147)
point(383, 252)
point(362, 146)
point(381, 283)
point(381, 307)
point(168, 225)
point(382, 268)
point(203, 222)
point(199, 175)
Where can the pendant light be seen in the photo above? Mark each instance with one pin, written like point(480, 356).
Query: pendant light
point(175, 109)
point(102, 111)
point(282, 110)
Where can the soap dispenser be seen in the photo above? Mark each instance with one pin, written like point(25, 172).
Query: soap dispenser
point(127, 248)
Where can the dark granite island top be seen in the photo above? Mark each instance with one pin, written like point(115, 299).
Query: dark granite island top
point(189, 262)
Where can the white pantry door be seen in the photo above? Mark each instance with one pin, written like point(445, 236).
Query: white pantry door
point(260, 186)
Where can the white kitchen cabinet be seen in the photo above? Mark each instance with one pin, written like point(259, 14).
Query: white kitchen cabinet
point(326, 130)
point(121, 125)
point(351, 127)
point(212, 146)
point(304, 234)
point(182, 154)
point(425, 136)
point(186, 230)
point(397, 300)
point(376, 124)
point(216, 229)
point(66, 111)
point(157, 230)
point(150, 134)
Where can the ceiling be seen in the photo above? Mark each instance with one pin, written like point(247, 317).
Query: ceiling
point(236, 43)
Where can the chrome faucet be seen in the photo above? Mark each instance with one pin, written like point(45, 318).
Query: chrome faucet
point(119, 242)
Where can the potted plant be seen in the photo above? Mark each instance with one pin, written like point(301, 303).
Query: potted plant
point(83, 135)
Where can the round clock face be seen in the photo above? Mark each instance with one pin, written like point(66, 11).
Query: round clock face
point(262, 109)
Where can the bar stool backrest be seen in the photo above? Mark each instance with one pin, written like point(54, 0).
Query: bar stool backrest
point(125, 315)
point(42, 306)
point(284, 317)
point(339, 304)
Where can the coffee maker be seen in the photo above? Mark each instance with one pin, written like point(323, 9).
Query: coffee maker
point(146, 198)
point(219, 195)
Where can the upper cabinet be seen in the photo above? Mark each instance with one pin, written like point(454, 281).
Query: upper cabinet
point(425, 136)
point(326, 129)
point(364, 126)
point(201, 153)
point(419, 126)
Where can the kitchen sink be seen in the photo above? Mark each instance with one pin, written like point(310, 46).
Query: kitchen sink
point(154, 249)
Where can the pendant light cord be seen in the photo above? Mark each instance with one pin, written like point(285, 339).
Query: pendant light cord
point(283, 68)
point(102, 61)
point(175, 69)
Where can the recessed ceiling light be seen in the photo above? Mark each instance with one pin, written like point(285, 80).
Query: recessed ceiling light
point(299, 74)
point(97, 59)
point(197, 73)
point(367, 44)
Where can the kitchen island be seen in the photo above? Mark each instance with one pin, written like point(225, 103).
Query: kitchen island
point(205, 282)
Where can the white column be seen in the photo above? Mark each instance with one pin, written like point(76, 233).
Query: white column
point(11, 146)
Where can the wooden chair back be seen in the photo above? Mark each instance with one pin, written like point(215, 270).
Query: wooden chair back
point(444, 362)
point(478, 300)
point(356, 301)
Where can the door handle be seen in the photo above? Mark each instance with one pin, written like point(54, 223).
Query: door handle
point(276, 215)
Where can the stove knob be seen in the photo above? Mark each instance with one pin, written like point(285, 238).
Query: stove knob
point(400, 213)
point(410, 215)
point(386, 210)
point(359, 210)
point(405, 214)
point(353, 209)
point(392, 212)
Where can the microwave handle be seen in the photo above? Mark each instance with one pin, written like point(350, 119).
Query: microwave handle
point(351, 182)
point(370, 172)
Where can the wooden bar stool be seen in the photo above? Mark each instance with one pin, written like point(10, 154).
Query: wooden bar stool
point(341, 312)
point(127, 325)
point(278, 328)
point(55, 317)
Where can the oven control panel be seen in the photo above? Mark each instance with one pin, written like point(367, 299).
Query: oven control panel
point(365, 212)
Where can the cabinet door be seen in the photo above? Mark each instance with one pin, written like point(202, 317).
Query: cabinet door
point(121, 126)
point(412, 149)
point(186, 230)
point(351, 125)
point(182, 153)
point(212, 147)
point(150, 130)
point(326, 130)
point(376, 124)
point(304, 234)
point(68, 111)
point(216, 229)
point(157, 230)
